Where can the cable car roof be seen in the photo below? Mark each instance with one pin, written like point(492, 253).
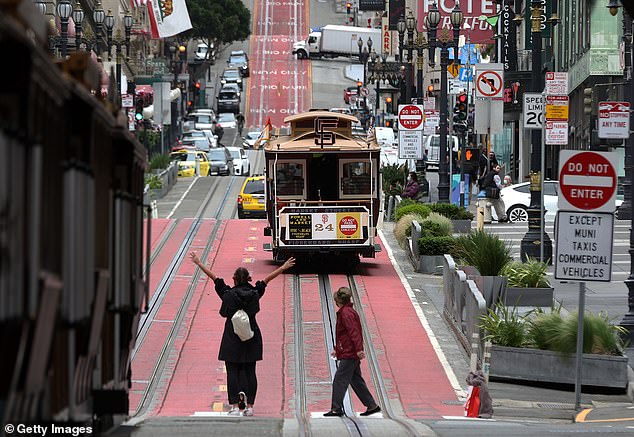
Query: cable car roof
point(320, 131)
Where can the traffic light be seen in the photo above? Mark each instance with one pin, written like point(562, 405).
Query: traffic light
point(359, 85)
point(460, 114)
point(587, 101)
point(430, 91)
point(138, 113)
point(348, 6)
point(388, 104)
point(182, 52)
point(196, 93)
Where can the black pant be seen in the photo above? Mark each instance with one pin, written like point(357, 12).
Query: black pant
point(349, 374)
point(241, 377)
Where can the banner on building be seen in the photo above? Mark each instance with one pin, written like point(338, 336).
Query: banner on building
point(475, 14)
point(371, 5)
point(168, 17)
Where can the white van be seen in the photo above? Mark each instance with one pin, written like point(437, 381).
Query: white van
point(432, 148)
point(201, 52)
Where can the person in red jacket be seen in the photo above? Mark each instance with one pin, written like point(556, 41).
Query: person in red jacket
point(349, 352)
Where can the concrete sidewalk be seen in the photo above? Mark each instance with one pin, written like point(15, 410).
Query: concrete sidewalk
point(510, 401)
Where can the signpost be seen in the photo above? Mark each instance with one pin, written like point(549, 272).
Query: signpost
point(584, 227)
point(489, 101)
point(614, 120)
point(556, 109)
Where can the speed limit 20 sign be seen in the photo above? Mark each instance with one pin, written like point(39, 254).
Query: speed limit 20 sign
point(533, 111)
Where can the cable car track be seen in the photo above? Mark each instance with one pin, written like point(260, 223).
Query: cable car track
point(162, 289)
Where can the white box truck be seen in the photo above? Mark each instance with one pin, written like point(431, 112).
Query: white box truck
point(333, 40)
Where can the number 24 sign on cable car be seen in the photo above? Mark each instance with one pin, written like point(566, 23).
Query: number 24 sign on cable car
point(587, 181)
point(410, 117)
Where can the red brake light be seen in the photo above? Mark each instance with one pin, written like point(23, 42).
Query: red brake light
point(239, 199)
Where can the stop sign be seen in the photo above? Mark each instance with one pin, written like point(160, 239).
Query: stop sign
point(410, 117)
point(587, 181)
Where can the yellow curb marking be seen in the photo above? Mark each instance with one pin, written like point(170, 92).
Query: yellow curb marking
point(624, 419)
point(581, 417)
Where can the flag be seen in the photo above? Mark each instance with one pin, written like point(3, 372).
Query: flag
point(168, 17)
point(266, 131)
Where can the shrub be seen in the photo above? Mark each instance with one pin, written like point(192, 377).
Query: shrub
point(484, 251)
point(159, 161)
point(504, 326)
point(531, 273)
point(414, 208)
point(543, 329)
point(441, 224)
point(436, 245)
point(403, 227)
point(451, 211)
point(154, 181)
point(599, 335)
point(393, 177)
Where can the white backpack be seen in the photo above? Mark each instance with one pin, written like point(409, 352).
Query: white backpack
point(242, 325)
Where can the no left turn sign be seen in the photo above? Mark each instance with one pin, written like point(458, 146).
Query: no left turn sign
point(489, 84)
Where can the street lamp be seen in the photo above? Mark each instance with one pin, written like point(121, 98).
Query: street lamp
point(128, 22)
point(419, 44)
point(78, 19)
point(64, 10)
point(364, 54)
point(444, 43)
point(628, 93)
point(536, 235)
point(41, 6)
point(98, 16)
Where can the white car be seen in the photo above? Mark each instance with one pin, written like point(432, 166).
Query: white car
point(227, 120)
point(517, 199)
point(241, 164)
point(251, 138)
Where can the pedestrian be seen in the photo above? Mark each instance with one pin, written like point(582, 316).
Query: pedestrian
point(411, 188)
point(240, 122)
point(240, 356)
point(219, 131)
point(493, 161)
point(349, 352)
point(490, 189)
point(483, 161)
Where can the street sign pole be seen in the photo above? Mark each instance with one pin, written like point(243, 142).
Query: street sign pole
point(579, 358)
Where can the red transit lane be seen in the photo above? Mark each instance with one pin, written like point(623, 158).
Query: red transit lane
point(279, 84)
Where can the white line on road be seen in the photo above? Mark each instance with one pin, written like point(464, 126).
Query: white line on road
point(182, 197)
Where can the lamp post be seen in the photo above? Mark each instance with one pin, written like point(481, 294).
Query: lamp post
point(536, 235)
point(364, 54)
point(628, 29)
point(98, 17)
point(444, 43)
point(380, 69)
point(418, 44)
point(78, 19)
point(64, 11)
point(109, 21)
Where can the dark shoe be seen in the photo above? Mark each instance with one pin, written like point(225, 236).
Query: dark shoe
point(333, 413)
point(371, 411)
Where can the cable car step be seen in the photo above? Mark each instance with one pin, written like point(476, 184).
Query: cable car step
point(267, 247)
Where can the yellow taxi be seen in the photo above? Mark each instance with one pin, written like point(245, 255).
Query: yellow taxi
point(251, 201)
point(186, 159)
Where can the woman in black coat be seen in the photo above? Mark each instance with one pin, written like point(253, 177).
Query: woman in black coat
point(240, 356)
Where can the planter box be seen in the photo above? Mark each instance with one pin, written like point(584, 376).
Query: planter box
point(535, 297)
point(461, 226)
point(491, 287)
point(429, 263)
point(523, 364)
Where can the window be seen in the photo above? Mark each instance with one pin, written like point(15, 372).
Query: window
point(523, 188)
point(289, 178)
point(550, 188)
point(356, 178)
point(255, 186)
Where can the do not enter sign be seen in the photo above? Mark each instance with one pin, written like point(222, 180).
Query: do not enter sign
point(410, 117)
point(587, 181)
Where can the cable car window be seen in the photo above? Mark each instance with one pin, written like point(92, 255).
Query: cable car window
point(356, 178)
point(290, 179)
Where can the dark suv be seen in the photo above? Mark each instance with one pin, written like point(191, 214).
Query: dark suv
point(228, 99)
point(231, 75)
point(239, 59)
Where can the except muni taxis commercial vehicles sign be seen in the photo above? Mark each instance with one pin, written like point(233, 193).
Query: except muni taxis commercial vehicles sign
point(584, 246)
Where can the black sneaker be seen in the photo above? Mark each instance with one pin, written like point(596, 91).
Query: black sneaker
point(371, 411)
point(334, 413)
point(242, 403)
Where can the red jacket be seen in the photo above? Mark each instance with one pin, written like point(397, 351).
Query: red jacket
point(349, 335)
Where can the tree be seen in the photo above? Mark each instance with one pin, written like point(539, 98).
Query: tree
point(223, 21)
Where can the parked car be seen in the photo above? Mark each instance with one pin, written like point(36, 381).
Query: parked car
point(221, 161)
point(241, 165)
point(202, 121)
point(186, 160)
point(251, 201)
point(517, 199)
point(201, 52)
point(231, 75)
point(204, 111)
point(228, 99)
point(201, 134)
point(341, 110)
point(252, 140)
point(227, 120)
point(349, 92)
point(239, 59)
